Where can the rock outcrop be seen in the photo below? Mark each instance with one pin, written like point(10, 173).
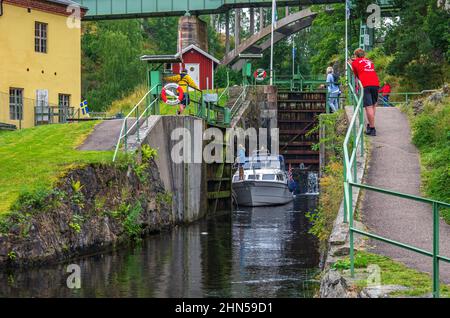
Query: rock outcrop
point(91, 208)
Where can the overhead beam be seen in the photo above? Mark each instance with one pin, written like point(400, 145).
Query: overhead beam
point(126, 9)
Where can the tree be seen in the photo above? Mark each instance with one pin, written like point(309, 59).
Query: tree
point(111, 65)
point(419, 44)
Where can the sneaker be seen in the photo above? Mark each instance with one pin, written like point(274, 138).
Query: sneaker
point(368, 129)
point(373, 132)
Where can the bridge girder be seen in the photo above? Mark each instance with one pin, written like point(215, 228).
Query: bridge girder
point(122, 9)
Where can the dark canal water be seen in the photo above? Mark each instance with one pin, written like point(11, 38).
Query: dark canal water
point(257, 252)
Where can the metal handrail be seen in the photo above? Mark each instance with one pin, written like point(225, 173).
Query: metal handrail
point(226, 90)
point(350, 181)
point(124, 131)
point(236, 106)
point(407, 96)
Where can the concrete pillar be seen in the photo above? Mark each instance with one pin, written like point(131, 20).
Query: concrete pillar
point(261, 18)
point(237, 28)
point(252, 21)
point(227, 32)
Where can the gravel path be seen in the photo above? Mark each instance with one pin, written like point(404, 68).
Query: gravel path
point(394, 165)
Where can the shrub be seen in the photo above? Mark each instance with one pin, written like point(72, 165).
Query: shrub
point(131, 224)
point(431, 134)
point(34, 199)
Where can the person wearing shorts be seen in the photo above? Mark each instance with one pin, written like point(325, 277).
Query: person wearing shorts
point(185, 81)
point(364, 70)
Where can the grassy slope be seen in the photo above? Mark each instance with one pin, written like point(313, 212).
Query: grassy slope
point(394, 273)
point(33, 158)
point(431, 134)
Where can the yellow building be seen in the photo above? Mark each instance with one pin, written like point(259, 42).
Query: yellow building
point(40, 61)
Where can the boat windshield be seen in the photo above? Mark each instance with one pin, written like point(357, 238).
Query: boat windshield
point(262, 164)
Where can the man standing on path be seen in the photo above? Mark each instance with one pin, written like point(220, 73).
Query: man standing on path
point(364, 70)
point(185, 81)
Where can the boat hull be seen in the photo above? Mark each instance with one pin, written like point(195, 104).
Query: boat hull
point(261, 193)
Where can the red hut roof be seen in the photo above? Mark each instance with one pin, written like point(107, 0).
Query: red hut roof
point(195, 47)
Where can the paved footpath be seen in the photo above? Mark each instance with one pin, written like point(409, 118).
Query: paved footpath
point(104, 137)
point(394, 165)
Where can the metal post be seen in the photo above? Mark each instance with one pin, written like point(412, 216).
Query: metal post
point(346, 37)
point(352, 252)
point(271, 43)
point(435, 250)
point(345, 185)
point(356, 153)
point(137, 124)
point(293, 58)
point(361, 124)
point(126, 135)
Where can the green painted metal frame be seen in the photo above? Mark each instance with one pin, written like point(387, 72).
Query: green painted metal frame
point(139, 115)
point(120, 9)
point(406, 97)
point(355, 138)
point(300, 83)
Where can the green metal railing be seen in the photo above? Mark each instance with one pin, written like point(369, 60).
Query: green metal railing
point(354, 139)
point(403, 97)
point(239, 101)
point(149, 105)
point(226, 91)
point(140, 115)
point(299, 83)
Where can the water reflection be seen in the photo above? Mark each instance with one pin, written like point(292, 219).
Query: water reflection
point(257, 252)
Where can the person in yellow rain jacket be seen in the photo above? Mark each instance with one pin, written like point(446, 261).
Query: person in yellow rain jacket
point(184, 80)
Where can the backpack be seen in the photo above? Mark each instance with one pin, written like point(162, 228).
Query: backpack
point(336, 79)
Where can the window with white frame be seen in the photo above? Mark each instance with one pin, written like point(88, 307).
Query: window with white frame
point(64, 100)
point(16, 103)
point(40, 37)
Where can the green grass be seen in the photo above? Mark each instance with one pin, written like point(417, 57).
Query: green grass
point(32, 159)
point(394, 273)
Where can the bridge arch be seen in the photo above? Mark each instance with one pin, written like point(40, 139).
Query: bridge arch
point(285, 27)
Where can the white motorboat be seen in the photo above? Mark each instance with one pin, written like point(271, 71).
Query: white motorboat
point(262, 181)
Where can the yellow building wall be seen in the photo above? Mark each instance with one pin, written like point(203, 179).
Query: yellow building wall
point(58, 70)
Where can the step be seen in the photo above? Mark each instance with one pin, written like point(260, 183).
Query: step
point(293, 121)
point(301, 110)
point(305, 161)
point(297, 143)
point(300, 152)
point(293, 132)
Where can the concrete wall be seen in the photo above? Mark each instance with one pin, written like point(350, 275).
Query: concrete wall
point(186, 181)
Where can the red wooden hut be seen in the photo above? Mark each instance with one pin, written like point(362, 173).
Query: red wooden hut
point(199, 64)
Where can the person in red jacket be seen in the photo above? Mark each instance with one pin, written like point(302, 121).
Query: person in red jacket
point(364, 70)
point(385, 92)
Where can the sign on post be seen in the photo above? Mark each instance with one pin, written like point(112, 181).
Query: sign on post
point(260, 75)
